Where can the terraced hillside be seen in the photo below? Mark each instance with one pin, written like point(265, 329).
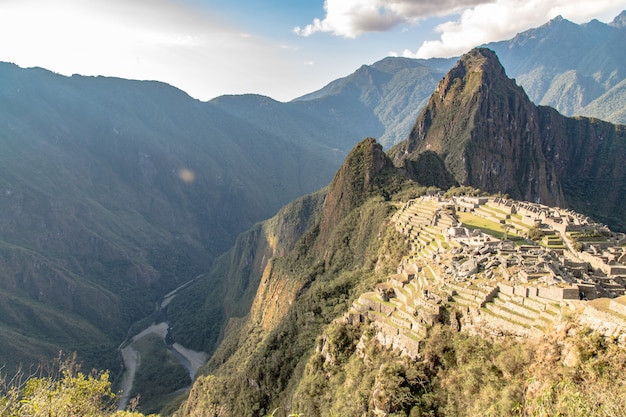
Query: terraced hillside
point(472, 264)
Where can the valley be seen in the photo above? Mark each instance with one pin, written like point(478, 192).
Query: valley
point(471, 258)
point(130, 350)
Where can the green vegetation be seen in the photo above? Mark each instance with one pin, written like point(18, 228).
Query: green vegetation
point(461, 375)
point(99, 223)
point(358, 249)
point(59, 390)
point(199, 312)
point(587, 237)
point(501, 231)
point(535, 234)
point(159, 375)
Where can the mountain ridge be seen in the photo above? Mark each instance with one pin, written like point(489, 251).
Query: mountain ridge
point(114, 192)
point(569, 79)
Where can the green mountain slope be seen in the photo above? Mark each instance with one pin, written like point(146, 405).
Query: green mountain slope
point(113, 192)
point(304, 288)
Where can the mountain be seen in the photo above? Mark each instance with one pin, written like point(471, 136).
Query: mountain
point(568, 66)
point(304, 286)
point(384, 98)
point(492, 137)
point(331, 328)
point(354, 316)
point(114, 192)
point(577, 69)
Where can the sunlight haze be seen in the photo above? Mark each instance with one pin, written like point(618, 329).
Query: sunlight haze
point(211, 48)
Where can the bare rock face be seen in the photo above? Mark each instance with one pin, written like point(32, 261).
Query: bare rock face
point(492, 137)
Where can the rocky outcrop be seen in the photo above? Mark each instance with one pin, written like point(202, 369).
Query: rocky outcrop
point(486, 130)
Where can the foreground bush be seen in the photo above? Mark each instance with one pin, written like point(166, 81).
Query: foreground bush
point(60, 390)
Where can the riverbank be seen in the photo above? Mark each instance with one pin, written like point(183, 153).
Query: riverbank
point(130, 353)
point(190, 359)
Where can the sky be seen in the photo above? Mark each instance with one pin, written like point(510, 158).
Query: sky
point(281, 49)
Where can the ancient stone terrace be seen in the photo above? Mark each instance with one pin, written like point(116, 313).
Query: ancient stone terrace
point(425, 222)
point(517, 288)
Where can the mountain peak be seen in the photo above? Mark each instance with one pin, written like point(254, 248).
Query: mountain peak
point(471, 122)
point(475, 68)
point(619, 21)
point(557, 19)
point(356, 180)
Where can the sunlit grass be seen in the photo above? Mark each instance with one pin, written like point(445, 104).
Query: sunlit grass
point(472, 221)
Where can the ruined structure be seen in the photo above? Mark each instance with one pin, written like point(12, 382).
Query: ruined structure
point(472, 264)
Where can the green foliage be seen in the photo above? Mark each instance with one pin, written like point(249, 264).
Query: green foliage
point(362, 242)
point(463, 190)
point(535, 234)
point(429, 170)
point(99, 222)
point(61, 391)
point(158, 376)
point(462, 375)
point(199, 312)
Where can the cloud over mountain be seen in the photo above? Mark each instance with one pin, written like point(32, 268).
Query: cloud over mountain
point(471, 23)
point(351, 18)
point(502, 19)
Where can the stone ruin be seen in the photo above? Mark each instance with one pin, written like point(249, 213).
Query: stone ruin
point(495, 284)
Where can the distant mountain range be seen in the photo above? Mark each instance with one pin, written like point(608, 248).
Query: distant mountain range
point(577, 69)
point(114, 192)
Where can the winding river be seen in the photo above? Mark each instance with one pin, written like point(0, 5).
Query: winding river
point(191, 360)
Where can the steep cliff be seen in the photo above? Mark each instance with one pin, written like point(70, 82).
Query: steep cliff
point(239, 283)
point(490, 136)
point(348, 245)
point(486, 130)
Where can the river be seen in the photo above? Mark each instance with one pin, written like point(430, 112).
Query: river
point(191, 360)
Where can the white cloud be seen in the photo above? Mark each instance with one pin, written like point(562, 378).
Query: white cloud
point(350, 18)
point(504, 18)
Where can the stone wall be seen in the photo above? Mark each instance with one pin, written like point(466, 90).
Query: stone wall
point(608, 325)
point(559, 293)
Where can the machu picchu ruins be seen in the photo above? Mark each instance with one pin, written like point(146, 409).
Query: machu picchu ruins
point(497, 266)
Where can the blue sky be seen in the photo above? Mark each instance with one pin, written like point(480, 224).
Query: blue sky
point(282, 49)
